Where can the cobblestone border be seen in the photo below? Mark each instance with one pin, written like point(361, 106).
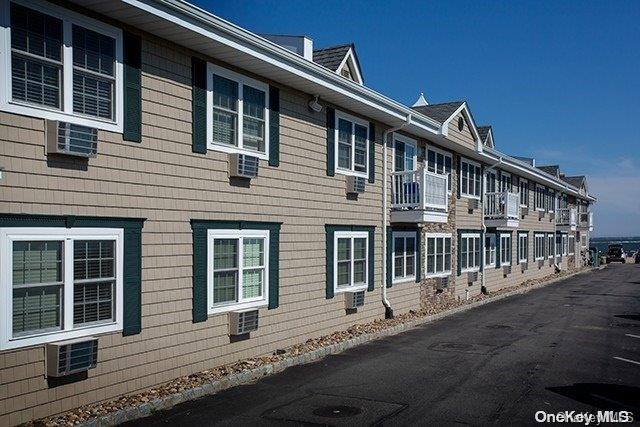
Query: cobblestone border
point(246, 377)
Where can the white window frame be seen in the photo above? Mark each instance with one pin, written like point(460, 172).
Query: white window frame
point(404, 235)
point(68, 236)
point(406, 141)
point(552, 238)
point(537, 246)
point(477, 165)
point(354, 120)
point(540, 198)
point(572, 248)
point(523, 190)
point(66, 113)
point(551, 199)
point(525, 237)
point(444, 154)
point(442, 236)
point(491, 250)
point(350, 235)
point(242, 303)
point(504, 174)
point(468, 236)
point(502, 246)
point(565, 244)
point(583, 240)
point(241, 80)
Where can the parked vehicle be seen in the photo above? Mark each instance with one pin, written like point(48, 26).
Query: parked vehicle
point(616, 254)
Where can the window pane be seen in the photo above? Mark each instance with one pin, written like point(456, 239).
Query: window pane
point(447, 254)
point(92, 96)
point(431, 161)
point(344, 249)
point(253, 252)
point(359, 273)
point(35, 32)
point(225, 103)
point(439, 255)
point(430, 245)
point(37, 262)
point(93, 51)
point(430, 263)
point(35, 82)
point(36, 309)
point(252, 283)
point(360, 157)
point(93, 259)
point(360, 248)
point(225, 254)
point(411, 265)
point(398, 266)
point(92, 302)
point(224, 286)
point(253, 121)
point(344, 144)
point(344, 273)
point(465, 179)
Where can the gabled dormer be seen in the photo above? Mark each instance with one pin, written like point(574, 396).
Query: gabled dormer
point(340, 59)
point(486, 136)
point(553, 170)
point(455, 118)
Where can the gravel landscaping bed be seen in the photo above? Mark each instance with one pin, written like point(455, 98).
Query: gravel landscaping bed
point(207, 382)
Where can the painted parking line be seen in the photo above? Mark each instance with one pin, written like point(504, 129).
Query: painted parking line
point(626, 360)
point(632, 336)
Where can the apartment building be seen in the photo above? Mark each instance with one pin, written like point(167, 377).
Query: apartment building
point(178, 193)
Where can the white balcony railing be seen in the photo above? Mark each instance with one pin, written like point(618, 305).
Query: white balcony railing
point(502, 205)
point(419, 189)
point(567, 216)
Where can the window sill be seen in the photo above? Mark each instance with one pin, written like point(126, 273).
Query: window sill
point(505, 264)
point(470, 196)
point(50, 114)
point(438, 275)
point(404, 280)
point(352, 173)
point(490, 265)
point(470, 270)
point(235, 150)
point(356, 288)
point(89, 331)
point(237, 307)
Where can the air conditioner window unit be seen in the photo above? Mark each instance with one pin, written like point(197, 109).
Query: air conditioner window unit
point(506, 269)
point(540, 263)
point(472, 276)
point(72, 356)
point(354, 299)
point(541, 214)
point(442, 283)
point(524, 210)
point(72, 140)
point(355, 184)
point(243, 322)
point(551, 262)
point(525, 266)
point(243, 166)
point(473, 204)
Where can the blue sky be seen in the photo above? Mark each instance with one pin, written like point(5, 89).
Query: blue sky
point(559, 81)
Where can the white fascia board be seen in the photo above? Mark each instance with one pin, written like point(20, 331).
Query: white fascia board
point(214, 28)
point(348, 58)
point(465, 110)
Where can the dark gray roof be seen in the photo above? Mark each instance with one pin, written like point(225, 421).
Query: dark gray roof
point(552, 170)
point(483, 131)
point(439, 112)
point(331, 57)
point(576, 181)
point(528, 160)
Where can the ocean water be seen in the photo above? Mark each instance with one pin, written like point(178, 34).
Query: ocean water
point(629, 244)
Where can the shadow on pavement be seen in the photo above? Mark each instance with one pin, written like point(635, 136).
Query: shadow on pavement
point(628, 316)
point(614, 397)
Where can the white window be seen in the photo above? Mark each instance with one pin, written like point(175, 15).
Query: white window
point(539, 246)
point(237, 269)
point(559, 245)
point(551, 200)
point(572, 244)
point(350, 261)
point(237, 113)
point(60, 65)
point(540, 199)
point(470, 252)
point(583, 240)
point(404, 256)
point(470, 178)
point(439, 162)
point(505, 181)
point(524, 192)
point(351, 145)
point(505, 249)
point(523, 247)
point(551, 246)
point(565, 244)
point(59, 283)
point(490, 249)
point(438, 256)
point(405, 156)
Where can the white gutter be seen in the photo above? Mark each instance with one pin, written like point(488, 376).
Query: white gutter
point(388, 310)
point(484, 225)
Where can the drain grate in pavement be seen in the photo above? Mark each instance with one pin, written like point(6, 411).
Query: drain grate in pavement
point(325, 409)
point(462, 347)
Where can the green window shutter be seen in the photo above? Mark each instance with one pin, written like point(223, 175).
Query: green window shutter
point(331, 152)
point(132, 281)
point(274, 126)
point(132, 100)
point(498, 255)
point(389, 277)
point(481, 189)
point(372, 152)
point(459, 250)
point(329, 260)
point(274, 266)
point(481, 251)
point(511, 248)
point(199, 273)
point(372, 267)
point(418, 255)
point(199, 105)
point(459, 180)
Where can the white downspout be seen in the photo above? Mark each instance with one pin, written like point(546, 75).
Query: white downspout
point(484, 226)
point(388, 310)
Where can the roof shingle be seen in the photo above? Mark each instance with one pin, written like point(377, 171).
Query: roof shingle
point(331, 57)
point(483, 131)
point(439, 112)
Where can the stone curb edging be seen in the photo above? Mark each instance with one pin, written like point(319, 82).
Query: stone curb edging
point(246, 377)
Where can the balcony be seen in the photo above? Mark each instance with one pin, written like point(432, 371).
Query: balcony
point(419, 196)
point(502, 209)
point(566, 219)
point(585, 220)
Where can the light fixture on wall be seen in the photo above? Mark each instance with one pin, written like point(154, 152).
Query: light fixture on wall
point(315, 105)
